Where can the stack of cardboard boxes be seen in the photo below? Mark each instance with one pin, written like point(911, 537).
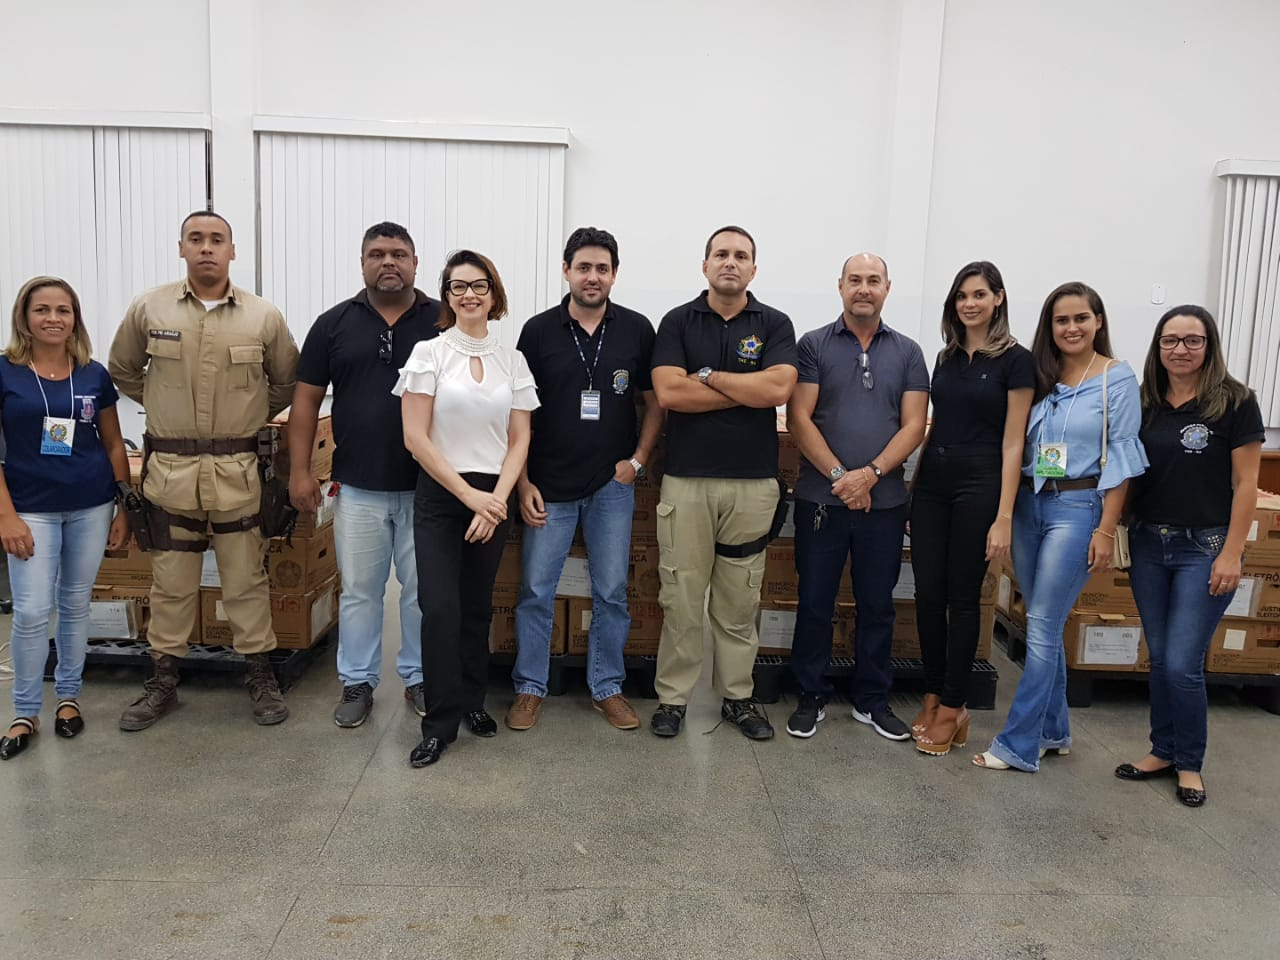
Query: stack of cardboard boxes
point(302, 570)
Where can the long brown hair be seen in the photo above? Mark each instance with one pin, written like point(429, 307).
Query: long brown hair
point(999, 339)
point(1217, 391)
point(79, 347)
point(1045, 352)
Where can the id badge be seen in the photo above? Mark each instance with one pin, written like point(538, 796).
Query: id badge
point(57, 436)
point(589, 405)
point(1051, 461)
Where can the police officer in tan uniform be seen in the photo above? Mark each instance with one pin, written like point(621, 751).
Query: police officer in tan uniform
point(211, 363)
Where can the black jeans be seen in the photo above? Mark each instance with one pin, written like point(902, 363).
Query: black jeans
point(455, 592)
point(955, 502)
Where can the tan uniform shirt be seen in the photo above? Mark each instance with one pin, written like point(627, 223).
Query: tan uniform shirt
point(206, 375)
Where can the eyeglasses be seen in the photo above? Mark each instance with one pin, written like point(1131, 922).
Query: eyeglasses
point(479, 287)
point(384, 345)
point(868, 380)
point(1194, 341)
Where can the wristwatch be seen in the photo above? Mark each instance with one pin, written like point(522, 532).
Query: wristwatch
point(637, 466)
point(874, 469)
point(704, 374)
point(837, 472)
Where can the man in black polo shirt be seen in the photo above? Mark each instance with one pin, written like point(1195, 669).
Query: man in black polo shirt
point(359, 346)
point(722, 363)
point(590, 359)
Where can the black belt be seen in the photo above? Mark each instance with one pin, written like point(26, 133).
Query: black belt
point(187, 447)
point(1062, 483)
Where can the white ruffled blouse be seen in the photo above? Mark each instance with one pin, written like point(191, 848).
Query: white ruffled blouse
point(469, 419)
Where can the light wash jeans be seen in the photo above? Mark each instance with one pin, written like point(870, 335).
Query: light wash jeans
point(372, 527)
point(68, 552)
point(1051, 533)
point(606, 527)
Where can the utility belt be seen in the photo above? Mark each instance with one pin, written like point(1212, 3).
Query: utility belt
point(752, 547)
point(152, 526)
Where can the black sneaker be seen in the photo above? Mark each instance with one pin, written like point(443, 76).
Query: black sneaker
point(749, 717)
point(481, 724)
point(884, 722)
point(417, 698)
point(666, 720)
point(357, 701)
point(804, 722)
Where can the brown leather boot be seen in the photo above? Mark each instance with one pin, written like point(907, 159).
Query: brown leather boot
point(268, 702)
point(160, 694)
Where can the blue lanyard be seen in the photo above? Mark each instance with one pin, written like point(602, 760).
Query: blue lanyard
point(591, 370)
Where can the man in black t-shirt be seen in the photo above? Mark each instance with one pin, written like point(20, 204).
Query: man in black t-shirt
point(359, 346)
point(590, 359)
point(722, 364)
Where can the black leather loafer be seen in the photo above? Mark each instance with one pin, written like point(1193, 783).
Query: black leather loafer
point(481, 724)
point(1191, 797)
point(1127, 771)
point(10, 747)
point(427, 752)
point(68, 726)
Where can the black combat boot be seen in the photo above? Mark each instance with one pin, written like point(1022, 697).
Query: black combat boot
point(268, 702)
point(159, 697)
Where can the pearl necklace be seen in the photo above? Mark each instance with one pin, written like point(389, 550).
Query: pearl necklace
point(469, 346)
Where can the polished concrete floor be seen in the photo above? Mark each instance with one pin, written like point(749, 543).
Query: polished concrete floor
point(208, 837)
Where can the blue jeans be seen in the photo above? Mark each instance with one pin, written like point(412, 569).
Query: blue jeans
point(1051, 533)
point(1170, 578)
point(875, 541)
point(68, 552)
point(371, 528)
point(606, 526)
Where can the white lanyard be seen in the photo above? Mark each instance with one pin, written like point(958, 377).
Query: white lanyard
point(1071, 406)
point(43, 397)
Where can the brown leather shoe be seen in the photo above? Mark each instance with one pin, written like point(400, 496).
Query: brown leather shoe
point(618, 712)
point(160, 694)
point(524, 712)
point(264, 692)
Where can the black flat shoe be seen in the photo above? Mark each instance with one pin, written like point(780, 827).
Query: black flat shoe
point(68, 726)
point(1191, 797)
point(481, 724)
point(1127, 771)
point(427, 752)
point(10, 747)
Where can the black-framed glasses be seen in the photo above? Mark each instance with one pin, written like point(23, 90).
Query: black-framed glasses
point(868, 380)
point(479, 287)
point(384, 345)
point(1194, 341)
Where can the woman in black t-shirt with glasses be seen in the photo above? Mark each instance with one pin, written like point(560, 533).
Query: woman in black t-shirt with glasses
point(1189, 516)
point(965, 486)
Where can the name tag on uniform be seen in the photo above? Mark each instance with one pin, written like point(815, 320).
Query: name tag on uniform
point(1051, 460)
point(589, 405)
point(165, 334)
point(57, 436)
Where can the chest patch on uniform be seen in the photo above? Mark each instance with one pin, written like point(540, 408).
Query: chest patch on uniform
point(749, 348)
point(1195, 436)
point(621, 380)
point(165, 334)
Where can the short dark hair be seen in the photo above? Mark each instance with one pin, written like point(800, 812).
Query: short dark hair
point(729, 228)
point(182, 230)
point(457, 259)
point(590, 237)
point(392, 231)
point(1045, 352)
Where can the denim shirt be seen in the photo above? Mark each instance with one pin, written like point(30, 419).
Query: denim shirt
point(1081, 429)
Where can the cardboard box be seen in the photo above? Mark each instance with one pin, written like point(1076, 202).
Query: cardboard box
point(1262, 544)
point(646, 627)
point(303, 564)
point(1107, 591)
point(1105, 641)
point(644, 580)
point(321, 448)
point(502, 629)
point(788, 458)
point(842, 630)
point(776, 624)
point(1245, 646)
point(298, 620)
point(575, 577)
point(312, 521)
point(1258, 596)
point(644, 520)
point(509, 567)
point(780, 581)
point(139, 597)
point(129, 566)
point(906, 631)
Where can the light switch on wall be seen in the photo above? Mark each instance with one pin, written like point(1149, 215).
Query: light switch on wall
point(1157, 293)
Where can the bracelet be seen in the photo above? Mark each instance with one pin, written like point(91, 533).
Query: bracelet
point(1110, 536)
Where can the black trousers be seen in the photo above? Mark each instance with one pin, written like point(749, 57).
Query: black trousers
point(455, 592)
point(954, 504)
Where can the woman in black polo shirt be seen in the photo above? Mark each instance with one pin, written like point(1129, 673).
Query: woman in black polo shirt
point(965, 487)
point(1190, 514)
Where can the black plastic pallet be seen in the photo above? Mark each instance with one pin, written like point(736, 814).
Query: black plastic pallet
point(1263, 688)
point(289, 665)
point(773, 678)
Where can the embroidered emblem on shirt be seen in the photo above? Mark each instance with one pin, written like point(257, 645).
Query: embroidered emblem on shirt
point(621, 380)
point(165, 334)
point(1195, 436)
point(749, 347)
point(86, 408)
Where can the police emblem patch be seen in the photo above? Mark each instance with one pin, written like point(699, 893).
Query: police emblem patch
point(621, 380)
point(749, 347)
point(1195, 436)
point(86, 408)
